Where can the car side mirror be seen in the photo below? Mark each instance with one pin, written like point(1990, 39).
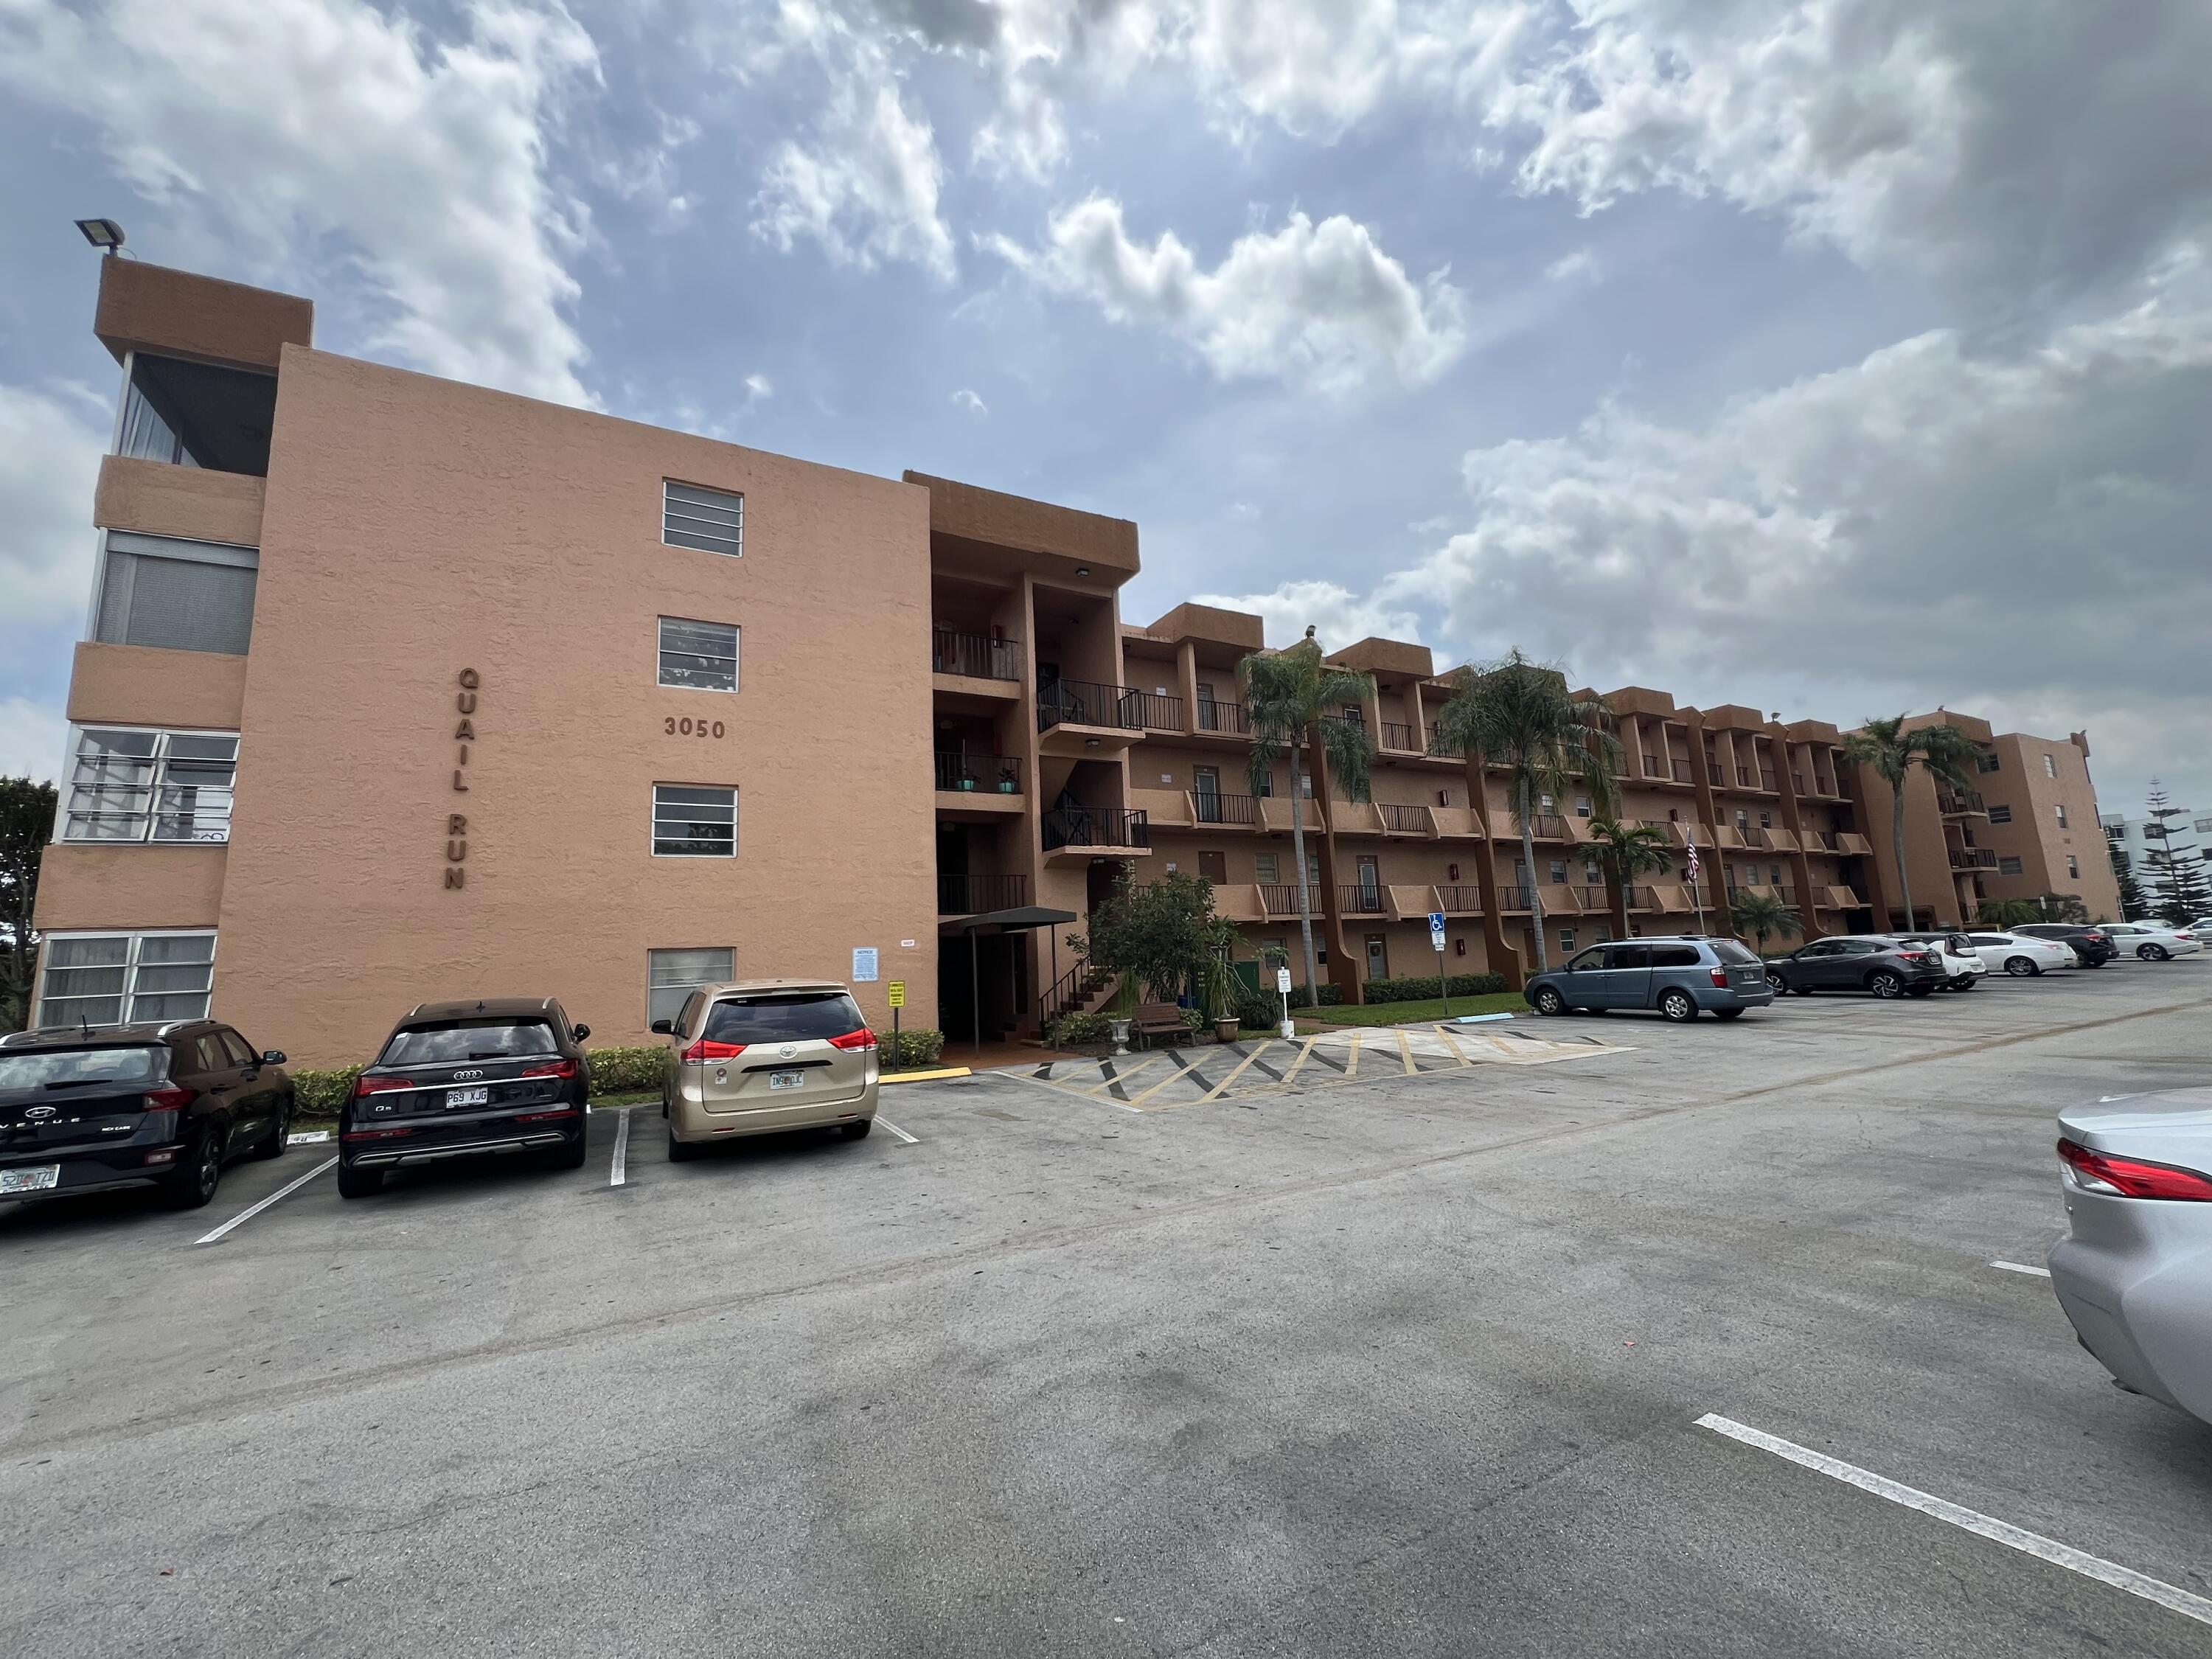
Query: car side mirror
point(581, 1031)
point(274, 1057)
point(666, 1027)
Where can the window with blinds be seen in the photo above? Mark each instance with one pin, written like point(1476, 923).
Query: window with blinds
point(698, 656)
point(107, 979)
point(178, 595)
point(671, 977)
point(711, 520)
point(132, 785)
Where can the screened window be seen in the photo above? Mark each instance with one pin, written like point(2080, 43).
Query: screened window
point(2008, 866)
point(698, 656)
point(175, 594)
point(128, 785)
point(672, 977)
point(708, 519)
point(192, 414)
point(2000, 815)
point(689, 822)
point(1265, 870)
point(105, 979)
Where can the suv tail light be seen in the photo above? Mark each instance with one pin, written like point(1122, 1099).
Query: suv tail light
point(365, 1086)
point(2093, 936)
point(863, 1038)
point(550, 1068)
point(707, 1048)
point(2132, 1177)
point(167, 1100)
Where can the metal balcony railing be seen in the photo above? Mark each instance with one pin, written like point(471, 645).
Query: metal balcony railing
point(1159, 713)
point(1086, 703)
point(1517, 898)
point(979, 775)
point(1767, 780)
point(1281, 898)
point(1461, 898)
point(1226, 809)
point(978, 656)
point(1638, 898)
point(1407, 820)
point(1754, 835)
point(1095, 826)
point(1226, 718)
point(1396, 734)
point(1973, 858)
point(1951, 803)
point(1360, 899)
point(1744, 775)
point(968, 896)
point(1548, 826)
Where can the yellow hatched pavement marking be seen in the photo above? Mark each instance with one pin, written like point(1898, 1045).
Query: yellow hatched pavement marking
point(1351, 1065)
point(1452, 1043)
point(1215, 1093)
point(1124, 1075)
point(1405, 1054)
point(1164, 1082)
point(1305, 1054)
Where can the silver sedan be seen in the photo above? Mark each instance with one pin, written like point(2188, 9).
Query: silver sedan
point(2133, 1271)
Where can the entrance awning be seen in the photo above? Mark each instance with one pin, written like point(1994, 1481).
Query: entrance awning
point(1001, 922)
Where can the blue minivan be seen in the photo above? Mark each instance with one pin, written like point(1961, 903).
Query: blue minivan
point(1682, 978)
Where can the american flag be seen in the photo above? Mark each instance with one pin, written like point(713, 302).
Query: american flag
point(1690, 866)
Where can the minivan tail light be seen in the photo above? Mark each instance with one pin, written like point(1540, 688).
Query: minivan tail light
point(167, 1100)
point(863, 1038)
point(365, 1086)
point(708, 1049)
point(2134, 1177)
point(1719, 977)
point(550, 1068)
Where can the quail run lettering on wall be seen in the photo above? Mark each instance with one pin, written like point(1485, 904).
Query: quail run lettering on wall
point(464, 736)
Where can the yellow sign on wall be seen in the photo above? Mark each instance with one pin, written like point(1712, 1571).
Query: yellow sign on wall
point(897, 993)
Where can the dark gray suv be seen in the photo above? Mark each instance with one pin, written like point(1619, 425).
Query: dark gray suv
point(1884, 967)
point(1680, 977)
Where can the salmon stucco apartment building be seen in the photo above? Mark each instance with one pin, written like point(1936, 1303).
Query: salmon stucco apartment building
point(396, 690)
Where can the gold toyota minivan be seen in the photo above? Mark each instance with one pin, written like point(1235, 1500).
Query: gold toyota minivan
point(765, 1055)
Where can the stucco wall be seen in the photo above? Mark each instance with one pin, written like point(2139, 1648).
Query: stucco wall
point(145, 685)
point(162, 499)
point(150, 308)
point(84, 887)
point(415, 528)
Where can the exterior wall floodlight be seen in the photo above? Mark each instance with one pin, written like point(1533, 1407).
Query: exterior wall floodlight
point(102, 233)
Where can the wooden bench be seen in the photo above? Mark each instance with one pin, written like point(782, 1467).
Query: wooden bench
point(1157, 1019)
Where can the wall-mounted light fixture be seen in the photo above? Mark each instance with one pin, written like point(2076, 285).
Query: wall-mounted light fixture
point(103, 234)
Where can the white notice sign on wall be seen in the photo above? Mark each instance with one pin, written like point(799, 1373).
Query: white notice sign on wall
point(864, 964)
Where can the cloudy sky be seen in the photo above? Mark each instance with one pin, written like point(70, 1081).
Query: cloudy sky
point(1839, 358)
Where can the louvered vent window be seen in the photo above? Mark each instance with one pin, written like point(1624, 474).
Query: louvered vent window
point(710, 520)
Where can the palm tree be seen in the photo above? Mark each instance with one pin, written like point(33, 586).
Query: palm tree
point(1626, 851)
point(2007, 913)
point(1519, 715)
point(1946, 753)
point(1286, 694)
point(1761, 913)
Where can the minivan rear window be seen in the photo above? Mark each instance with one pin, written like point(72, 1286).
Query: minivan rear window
point(447, 1040)
point(1728, 950)
point(803, 1017)
point(1673, 956)
point(62, 1068)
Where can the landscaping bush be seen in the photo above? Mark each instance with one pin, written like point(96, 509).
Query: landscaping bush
point(319, 1094)
point(1424, 990)
point(918, 1047)
point(1195, 1019)
point(1331, 995)
point(1081, 1031)
point(1258, 1011)
point(626, 1071)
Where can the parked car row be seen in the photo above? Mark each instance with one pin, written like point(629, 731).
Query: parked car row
point(168, 1106)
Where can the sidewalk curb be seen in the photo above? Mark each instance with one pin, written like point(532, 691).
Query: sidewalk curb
point(923, 1077)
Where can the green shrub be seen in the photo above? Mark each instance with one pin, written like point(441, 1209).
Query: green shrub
point(1331, 995)
point(1080, 1030)
point(918, 1047)
point(320, 1093)
point(1195, 1019)
point(1258, 1011)
point(626, 1071)
point(1424, 990)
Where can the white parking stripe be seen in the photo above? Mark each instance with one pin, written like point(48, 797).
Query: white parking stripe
point(251, 1211)
point(2022, 1267)
point(1983, 1526)
point(619, 1171)
point(885, 1123)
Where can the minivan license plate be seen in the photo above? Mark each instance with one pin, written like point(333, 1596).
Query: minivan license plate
point(467, 1097)
point(787, 1079)
point(37, 1179)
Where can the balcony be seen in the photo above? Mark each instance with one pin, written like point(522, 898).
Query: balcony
point(972, 896)
point(1754, 837)
point(1281, 898)
point(1952, 805)
point(1095, 826)
point(1359, 900)
point(1399, 820)
point(1405, 739)
point(1681, 770)
point(975, 656)
point(1242, 809)
point(1517, 898)
point(1973, 858)
point(1639, 898)
point(1226, 719)
point(1767, 781)
point(1460, 899)
point(979, 774)
point(1086, 703)
point(1157, 713)
point(1548, 826)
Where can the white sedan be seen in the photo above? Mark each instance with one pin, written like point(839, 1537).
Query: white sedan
point(2019, 954)
point(2154, 941)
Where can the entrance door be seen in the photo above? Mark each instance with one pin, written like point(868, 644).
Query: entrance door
point(1208, 778)
point(1370, 883)
point(1378, 958)
point(1214, 866)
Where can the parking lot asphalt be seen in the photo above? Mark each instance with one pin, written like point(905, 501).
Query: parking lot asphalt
point(1406, 1365)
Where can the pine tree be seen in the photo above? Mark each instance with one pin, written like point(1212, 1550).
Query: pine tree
point(2134, 906)
point(2173, 863)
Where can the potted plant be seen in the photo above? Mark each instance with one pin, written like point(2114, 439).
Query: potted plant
point(967, 780)
point(1217, 986)
point(1008, 784)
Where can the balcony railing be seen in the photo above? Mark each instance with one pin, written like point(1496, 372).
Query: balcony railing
point(1397, 735)
point(1681, 771)
point(1548, 826)
point(1407, 820)
point(1639, 898)
point(1281, 898)
point(1159, 713)
point(968, 896)
point(1226, 809)
point(1461, 898)
point(1359, 900)
point(1952, 804)
point(1744, 775)
point(1517, 898)
point(1766, 780)
point(1754, 837)
point(978, 656)
point(1095, 826)
point(1596, 901)
point(1436, 744)
point(1973, 858)
point(1226, 718)
point(979, 775)
point(1086, 703)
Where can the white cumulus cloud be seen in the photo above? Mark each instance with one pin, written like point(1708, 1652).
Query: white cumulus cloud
point(971, 400)
point(50, 451)
point(33, 737)
point(1340, 616)
point(296, 124)
point(1315, 305)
